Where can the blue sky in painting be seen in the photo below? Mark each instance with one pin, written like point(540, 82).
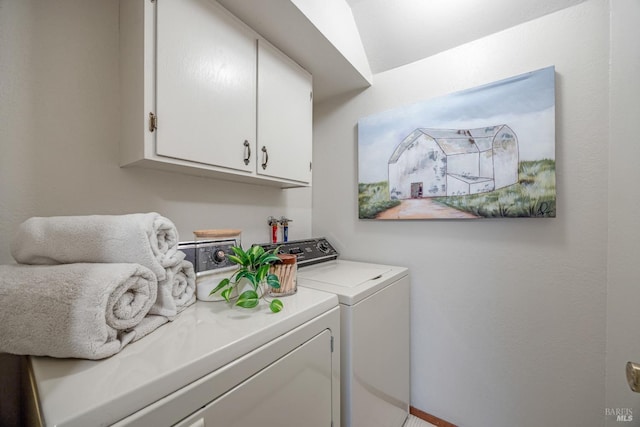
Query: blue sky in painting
point(526, 103)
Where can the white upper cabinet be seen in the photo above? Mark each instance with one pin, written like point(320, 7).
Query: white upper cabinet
point(206, 84)
point(285, 106)
point(193, 84)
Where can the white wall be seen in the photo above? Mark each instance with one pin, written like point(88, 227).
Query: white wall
point(515, 334)
point(623, 293)
point(59, 130)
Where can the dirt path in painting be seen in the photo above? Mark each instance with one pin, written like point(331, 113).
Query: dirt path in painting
point(422, 209)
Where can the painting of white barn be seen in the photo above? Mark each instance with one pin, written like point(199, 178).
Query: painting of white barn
point(484, 152)
point(453, 162)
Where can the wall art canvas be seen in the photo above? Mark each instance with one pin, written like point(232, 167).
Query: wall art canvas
point(485, 152)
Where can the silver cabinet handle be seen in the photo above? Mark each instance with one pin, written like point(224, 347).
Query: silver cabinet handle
point(265, 157)
point(633, 376)
point(247, 152)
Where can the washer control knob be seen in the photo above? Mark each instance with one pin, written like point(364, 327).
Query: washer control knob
point(324, 247)
point(218, 255)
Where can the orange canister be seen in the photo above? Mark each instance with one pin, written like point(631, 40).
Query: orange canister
point(287, 271)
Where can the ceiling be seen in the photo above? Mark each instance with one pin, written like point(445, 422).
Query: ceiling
point(393, 32)
point(398, 32)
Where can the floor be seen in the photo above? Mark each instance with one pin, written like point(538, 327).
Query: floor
point(416, 422)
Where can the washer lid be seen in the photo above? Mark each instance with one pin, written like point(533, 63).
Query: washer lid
point(351, 281)
point(354, 276)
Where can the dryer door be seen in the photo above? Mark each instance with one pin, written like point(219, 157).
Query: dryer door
point(294, 391)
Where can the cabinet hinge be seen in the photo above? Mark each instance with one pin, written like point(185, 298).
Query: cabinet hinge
point(309, 165)
point(311, 96)
point(332, 344)
point(153, 122)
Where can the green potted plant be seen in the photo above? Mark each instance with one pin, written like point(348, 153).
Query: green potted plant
point(253, 268)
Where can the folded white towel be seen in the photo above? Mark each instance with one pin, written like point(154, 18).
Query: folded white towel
point(88, 311)
point(148, 239)
point(177, 291)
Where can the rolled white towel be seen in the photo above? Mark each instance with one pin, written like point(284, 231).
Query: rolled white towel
point(177, 291)
point(149, 324)
point(88, 311)
point(148, 239)
point(184, 286)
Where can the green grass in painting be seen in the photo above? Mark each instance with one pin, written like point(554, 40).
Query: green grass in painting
point(533, 196)
point(373, 198)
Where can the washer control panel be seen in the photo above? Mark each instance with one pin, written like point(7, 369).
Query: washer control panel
point(308, 252)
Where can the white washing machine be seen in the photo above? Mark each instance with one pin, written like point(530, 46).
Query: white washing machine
point(374, 330)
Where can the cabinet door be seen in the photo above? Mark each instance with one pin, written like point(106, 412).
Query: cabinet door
point(206, 85)
point(285, 110)
point(294, 391)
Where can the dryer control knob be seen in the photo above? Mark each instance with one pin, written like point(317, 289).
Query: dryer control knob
point(218, 255)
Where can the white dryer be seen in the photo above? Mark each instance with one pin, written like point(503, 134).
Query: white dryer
point(214, 365)
point(374, 331)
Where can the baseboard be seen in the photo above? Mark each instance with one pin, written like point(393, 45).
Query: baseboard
point(430, 418)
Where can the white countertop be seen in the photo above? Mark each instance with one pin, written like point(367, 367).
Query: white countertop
point(202, 339)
